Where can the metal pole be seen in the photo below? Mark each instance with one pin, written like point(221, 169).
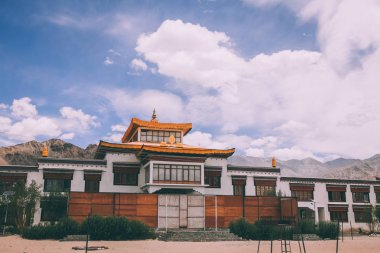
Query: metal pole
point(216, 213)
point(342, 231)
point(258, 247)
point(337, 239)
point(352, 237)
point(166, 213)
point(5, 218)
point(204, 213)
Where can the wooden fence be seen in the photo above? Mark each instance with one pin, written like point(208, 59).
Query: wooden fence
point(220, 210)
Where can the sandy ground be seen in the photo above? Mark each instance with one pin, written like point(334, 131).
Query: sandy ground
point(15, 244)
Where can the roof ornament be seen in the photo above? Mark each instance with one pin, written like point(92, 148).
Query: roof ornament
point(274, 162)
point(45, 151)
point(154, 116)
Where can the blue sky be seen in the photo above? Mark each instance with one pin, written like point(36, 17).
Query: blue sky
point(79, 70)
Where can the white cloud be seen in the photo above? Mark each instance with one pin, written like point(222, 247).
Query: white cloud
point(138, 64)
point(292, 153)
point(77, 119)
point(25, 124)
point(108, 61)
point(67, 136)
point(169, 107)
point(23, 108)
point(119, 128)
point(114, 52)
point(300, 98)
point(27, 129)
point(3, 106)
point(255, 152)
point(5, 124)
point(113, 137)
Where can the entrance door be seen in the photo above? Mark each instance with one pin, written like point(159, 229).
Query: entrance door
point(180, 211)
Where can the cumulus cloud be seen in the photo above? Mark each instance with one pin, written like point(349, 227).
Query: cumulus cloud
point(169, 107)
point(108, 61)
point(138, 64)
point(3, 106)
point(24, 123)
point(119, 128)
point(308, 101)
point(23, 108)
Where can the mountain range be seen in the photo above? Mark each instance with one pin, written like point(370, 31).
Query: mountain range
point(27, 154)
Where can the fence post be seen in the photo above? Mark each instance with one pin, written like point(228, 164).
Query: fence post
point(216, 213)
point(337, 238)
point(352, 237)
point(166, 213)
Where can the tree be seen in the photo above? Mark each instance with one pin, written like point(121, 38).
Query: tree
point(24, 200)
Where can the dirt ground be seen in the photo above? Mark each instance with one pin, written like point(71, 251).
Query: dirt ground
point(15, 244)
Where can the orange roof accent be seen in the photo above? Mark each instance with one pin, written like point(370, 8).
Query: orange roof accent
point(136, 123)
point(169, 149)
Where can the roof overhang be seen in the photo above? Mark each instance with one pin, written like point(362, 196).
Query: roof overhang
point(137, 123)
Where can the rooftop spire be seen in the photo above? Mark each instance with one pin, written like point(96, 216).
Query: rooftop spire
point(45, 152)
point(154, 116)
point(274, 162)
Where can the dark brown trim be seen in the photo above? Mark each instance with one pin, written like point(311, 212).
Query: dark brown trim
point(357, 188)
point(301, 187)
point(72, 161)
point(12, 177)
point(239, 180)
point(330, 180)
point(18, 168)
point(336, 188)
point(174, 159)
point(253, 169)
point(265, 181)
point(338, 208)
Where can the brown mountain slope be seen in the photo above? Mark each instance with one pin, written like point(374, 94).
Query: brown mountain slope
point(28, 153)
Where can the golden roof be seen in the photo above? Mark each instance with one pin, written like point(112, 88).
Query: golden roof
point(155, 125)
point(140, 147)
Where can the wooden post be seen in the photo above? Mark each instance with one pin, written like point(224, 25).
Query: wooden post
point(166, 213)
point(216, 213)
point(337, 239)
point(342, 231)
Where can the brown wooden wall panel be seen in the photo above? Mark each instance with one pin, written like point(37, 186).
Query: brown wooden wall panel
point(126, 199)
point(79, 209)
point(251, 211)
point(147, 199)
point(125, 210)
point(149, 221)
point(233, 201)
point(102, 198)
point(233, 211)
point(102, 210)
point(78, 218)
point(147, 210)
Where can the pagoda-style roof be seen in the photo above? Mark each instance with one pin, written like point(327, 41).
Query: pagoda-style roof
point(142, 149)
point(155, 125)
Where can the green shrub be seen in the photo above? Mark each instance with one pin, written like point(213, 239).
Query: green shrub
point(59, 230)
point(305, 227)
point(99, 228)
point(116, 228)
point(328, 230)
point(260, 230)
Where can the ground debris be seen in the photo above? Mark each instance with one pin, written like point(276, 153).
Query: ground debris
point(90, 248)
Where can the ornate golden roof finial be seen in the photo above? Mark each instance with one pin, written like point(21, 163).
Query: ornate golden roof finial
point(274, 162)
point(154, 116)
point(45, 152)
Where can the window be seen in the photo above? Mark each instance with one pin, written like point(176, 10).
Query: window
point(265, 190)
point(338, 216)
point(306, 213)
point(239, 190)
point(362, 215)
point(122, 178)
point(378, 197)
point(335, 196)
point(159, 136)
point(91, 186)
point(212, 181)
point(53, 208)
point(176, 174)
point(57, 185)
point(303, 195)
point(362, 197)
point(147, 174)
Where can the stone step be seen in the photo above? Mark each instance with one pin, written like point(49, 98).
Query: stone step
point(197, 236)
point(306, 237)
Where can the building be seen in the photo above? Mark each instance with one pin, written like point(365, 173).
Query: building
point(154, 177)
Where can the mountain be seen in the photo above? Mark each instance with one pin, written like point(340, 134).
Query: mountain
point(341, 168)
point(27, 153)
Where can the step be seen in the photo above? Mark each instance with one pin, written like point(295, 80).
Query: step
point(197, 236)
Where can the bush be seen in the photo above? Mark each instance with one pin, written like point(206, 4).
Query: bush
point(328, 230)
point(306, 227)
point(116, 228)
point(260, 230)
point(59, 230)
point(99, 228)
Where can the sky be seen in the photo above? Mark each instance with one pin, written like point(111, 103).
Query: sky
point(290, 79)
